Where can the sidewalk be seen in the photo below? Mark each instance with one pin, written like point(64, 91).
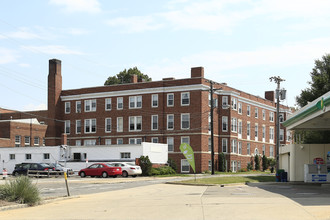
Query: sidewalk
point(165, 201)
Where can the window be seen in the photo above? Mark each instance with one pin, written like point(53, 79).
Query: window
point(263, 150)
point(170, 143)
point(135, 102)
point(67, 107)
point(210, 165)
point(248, 129)
point(271, 135)
point(170, 99)
point(225, 102)
point(43, 142)
point(91, 142)
point(78, 106)
point(234, 166)
point(36, 141)
point(256, 112)
point(271, 116)
point(90, 125)
point(28, 156)
point(234, 124)
point(125, 155)
point(108, 125)
point(263, 132)
point(288, 136)
point(120, 141)
point(154, 100)
point(234, 146)
point(120, 124)
point(90, 105)
point(239, 147)
point(185, 121)
point(170, 122)
point(120, 103)
point(224, 145)
point(281, 119)
point(248, 149)
point(209, 120)
point(209, 145)
point(135, 123)
point(154, 122)
point(248, 110)
point(281, 135)
point(224, 123)
point(46, 156)
point(239, 108)
point(78, 126)
point(67, 127)
point(78, 142)
point(263, 114)
point(271, 151)
point(107, 141)
point(11, 156)
point(27, 140)
point(185, 98)
point(135, 140)
point(154, 140)
point(108, 104)
point(256, 151)
point(256, 131)
point(238, 165)
point(17, 141)
point(185, 166)
point(185, 140)
point(234, 103)
point(240, 126)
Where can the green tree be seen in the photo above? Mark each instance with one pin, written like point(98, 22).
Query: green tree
point(265, 163)
point(172, 164)
point(146, 165)
point(256, 162)
point(319, 85)
point(125, 77)
point(222, 162)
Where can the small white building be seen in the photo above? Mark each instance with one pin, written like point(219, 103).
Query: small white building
point(78, 157)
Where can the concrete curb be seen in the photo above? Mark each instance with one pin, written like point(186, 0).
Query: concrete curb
point(42, 202)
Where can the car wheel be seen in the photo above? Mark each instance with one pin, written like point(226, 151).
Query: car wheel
point(82, 174)
point(104, 174)
point(134, 176)
point(124, 174)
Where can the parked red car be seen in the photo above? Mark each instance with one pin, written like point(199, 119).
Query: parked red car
point(100, 169)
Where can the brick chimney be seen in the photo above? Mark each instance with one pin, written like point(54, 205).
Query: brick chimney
point(197, 72)
point(270, 95)
point(134, 79)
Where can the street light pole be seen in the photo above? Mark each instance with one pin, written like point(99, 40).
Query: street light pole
point(278, 81)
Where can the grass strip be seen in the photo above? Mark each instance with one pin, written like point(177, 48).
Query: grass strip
point(230, 179)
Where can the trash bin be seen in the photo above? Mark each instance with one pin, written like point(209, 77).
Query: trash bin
point(284, 177)
point(278, 175)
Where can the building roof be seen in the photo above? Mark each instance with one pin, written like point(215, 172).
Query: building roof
point(26, 121)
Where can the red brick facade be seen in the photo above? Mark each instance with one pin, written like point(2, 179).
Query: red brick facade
point(148, 110)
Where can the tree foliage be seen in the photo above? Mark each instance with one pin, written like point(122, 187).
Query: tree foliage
point(146, 165)
point(222, 161)
point(125, 76)
point(320, 83)
point(256, 162)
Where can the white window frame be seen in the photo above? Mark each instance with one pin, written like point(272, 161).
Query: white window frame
point(185, 137)
point(248, 110)
point(168, 121)
point(224, 124)
point(234, 125)
point(281, 134)
point(263, 133)
point(107, 125)
point(271, 151)
point(168, 100)
point(135, 140)
point(185, 164)
point(36, 141)
point(154, 140)
point(46, 156)
point(18, 140)
point(248, 149)
point(67, 127)
point(271, 116)
point(256, 112)
point(67, 107)
point(170, 144)
point(248, 130)
point(184, 98)
point(225, 103)
point(78, 125)
point(154, 100)
point(88, 126)
point(185, 116)
point(12, 157)
point(78, 106)
point(120, 124)
point(28, 156)
point(233, 146)
point(125, 155)
point(271, 134)
point(108, 104)
point(263, 150)
point(239, 128)
point(154, 120)
point(240, 108)
point(90, 105)
point(78, 142)
point(263, 114)
point(135, 102)
point(239, 147)
point(224, 145)
point(234, 104)
point(256, 131)
point(137, 120)
point(120, 141)
point(209, 145)
point(120, 103)
point(90, 142)
point(107, 141)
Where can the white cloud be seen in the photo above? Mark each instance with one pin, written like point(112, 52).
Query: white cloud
point(90, 6)
point(7, 56)
point(135, 24)
point(33, 107)
point(52, 49)
point(25, 65)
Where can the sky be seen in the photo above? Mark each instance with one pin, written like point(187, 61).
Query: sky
point(239, 42)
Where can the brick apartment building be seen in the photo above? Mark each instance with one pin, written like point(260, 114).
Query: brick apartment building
point(169, 111)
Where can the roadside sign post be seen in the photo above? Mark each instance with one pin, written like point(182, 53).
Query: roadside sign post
point(66, 183)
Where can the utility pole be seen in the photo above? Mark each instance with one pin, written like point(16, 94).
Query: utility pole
point(212, 131)
point(278, 81)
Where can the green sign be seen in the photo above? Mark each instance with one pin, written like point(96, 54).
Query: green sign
point(189, 154)
point(320, 104)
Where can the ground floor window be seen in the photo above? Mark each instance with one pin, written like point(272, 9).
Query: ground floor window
point(46, 156)
point(185, 166)
point(89, 142)
point(28, 156)
point(125, 155)
point(210, 165)
point(233, 166)
point(12, 156)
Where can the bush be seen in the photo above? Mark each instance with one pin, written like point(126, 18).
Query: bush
point(256, 162)
point(222, 162)
point(265, 163)
point(249, 166)
point(162, 171)
point(145, 165)
point(172, 164)
point(20, 190)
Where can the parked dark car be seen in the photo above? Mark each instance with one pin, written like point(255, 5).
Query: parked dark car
point(22, 168)
point(101, 170)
